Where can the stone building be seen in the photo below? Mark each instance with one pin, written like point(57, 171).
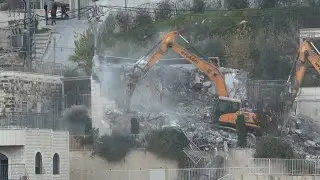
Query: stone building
point(33, 142)
point(34, 154)
point(30, 99)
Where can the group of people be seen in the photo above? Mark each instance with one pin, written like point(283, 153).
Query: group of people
point(53, 13)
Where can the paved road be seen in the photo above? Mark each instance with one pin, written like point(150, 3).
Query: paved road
point(64, 32)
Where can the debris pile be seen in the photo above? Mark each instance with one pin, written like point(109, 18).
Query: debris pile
point(303, 135)
point(167, 97)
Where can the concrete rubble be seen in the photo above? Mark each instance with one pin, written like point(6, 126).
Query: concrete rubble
point(302, 133)
point(166, 97)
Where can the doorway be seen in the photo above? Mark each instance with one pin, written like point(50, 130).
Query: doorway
point(3, 167)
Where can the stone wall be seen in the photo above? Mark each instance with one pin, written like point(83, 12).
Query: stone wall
point(30, 100)
point(85, 167)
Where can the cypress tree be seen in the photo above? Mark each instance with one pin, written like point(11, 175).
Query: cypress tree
point(241, 130)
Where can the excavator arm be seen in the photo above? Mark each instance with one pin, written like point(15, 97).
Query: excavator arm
point(308, 53)
point(225, 110)
point(210, 70)
point(168, 41)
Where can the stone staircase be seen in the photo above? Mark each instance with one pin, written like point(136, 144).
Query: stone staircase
point(41, 42)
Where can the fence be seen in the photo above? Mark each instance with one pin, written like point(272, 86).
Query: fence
point(244, 173)
point(31, 120)
point(76, 143)
point(257, 169)
point(12, 171)
point(285, 166)
point(36, 67)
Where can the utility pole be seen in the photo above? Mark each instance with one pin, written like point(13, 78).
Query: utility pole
point(54, 50)
point(127, 15)
point(29, 52)
point(79, 10)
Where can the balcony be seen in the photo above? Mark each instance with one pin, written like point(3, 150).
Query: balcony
point(12, 120)
point(12, 137)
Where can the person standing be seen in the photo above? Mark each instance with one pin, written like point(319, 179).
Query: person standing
point(46, 13)
point(53, 15)
point(64, 12)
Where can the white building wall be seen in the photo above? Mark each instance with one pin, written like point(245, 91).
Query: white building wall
point(85, 167)
point(308, 102)
point(61, 146)
point(47, 142)
point(16, 167)
point(98, 104)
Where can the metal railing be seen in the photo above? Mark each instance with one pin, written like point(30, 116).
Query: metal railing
point(167, 174)
point(31, 120)
point(82, 99)
point(295, 167)
point(12, 171)
point(76, 143)
point(36, 67)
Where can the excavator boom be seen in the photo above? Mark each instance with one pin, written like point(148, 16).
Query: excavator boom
point(213, 73)
point(225, 110)
point(308, 53)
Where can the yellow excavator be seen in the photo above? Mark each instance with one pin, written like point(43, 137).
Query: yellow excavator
point(307, 54)
point(226, 108)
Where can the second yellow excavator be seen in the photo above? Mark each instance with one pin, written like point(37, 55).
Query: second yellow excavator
point(307, 54)
point(226, 108)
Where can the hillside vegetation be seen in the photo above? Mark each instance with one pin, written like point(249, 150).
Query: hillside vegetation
point(262, 41)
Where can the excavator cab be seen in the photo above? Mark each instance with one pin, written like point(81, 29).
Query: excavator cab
point(225, 113)
point(224, 107)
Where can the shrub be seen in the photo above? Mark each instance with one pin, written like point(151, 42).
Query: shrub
point(167, 143)
point(269, 147)
point(237, 4)
point(164, 10)
point(142, 18)
point(113, 147)
point(199, 6)
point(77, 114)
point(241, 131)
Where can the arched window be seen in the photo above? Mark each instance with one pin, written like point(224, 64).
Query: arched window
point(56, 164)
point(38, 163)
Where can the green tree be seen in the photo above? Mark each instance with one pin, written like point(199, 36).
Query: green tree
point(237, 4)
point(142, 18)
point(113, 148)
point(164, 10)
point(84, 51)
point(313, 3)
point(268, 3)
point(167, 143)
point(272, 147)
point(199, 6)
point(241, 130)
point(124, 20)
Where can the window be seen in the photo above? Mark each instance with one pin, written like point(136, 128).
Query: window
point(24, 106)
point(56, 164)
point(38, 163)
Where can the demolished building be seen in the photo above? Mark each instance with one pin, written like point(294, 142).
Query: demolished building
point(164, 97)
